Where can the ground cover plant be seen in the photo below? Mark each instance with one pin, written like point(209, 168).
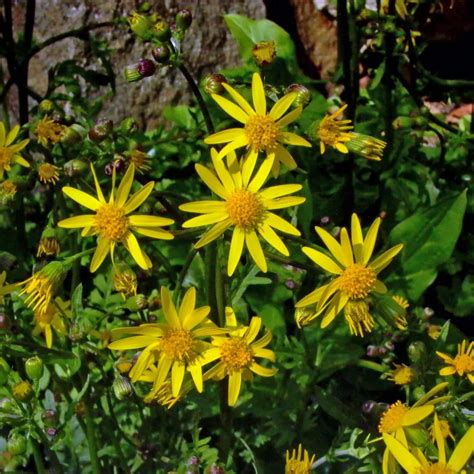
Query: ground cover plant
point(275, 279)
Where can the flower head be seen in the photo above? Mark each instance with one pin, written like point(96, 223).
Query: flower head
point(299, 462)
point(245, 207)
point(49, 132)
point(264, 53)
point(48, 173)
point(112, 223)
point(9, 151)
point(140, 159)
point(366, 146)
point(48, 244)
point(355, 276)
point(334, 132)
point(8, 190)
point(125, 280)
point(463, 362)
point(51, 319)
point(401, 374)
point(237, 352)
point(177, 345)
point(262, 132)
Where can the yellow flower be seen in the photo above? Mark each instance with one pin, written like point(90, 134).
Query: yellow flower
point(299, 462)
point(48, 131)
point(42, 285)
point(48, 245)
point(462, 364)
point(125, 280)
point(261, 132)
point(356, 276)
point(48, 173)
point(333, 132)
point(237, 352)
point(8, 190)
point(245, 207)
point(177, 346)
point(9, 151)
point(51, 319)
point(401, 374)
point(418, 463)
point(366, 146)
point(264, 53)
point(112, 222)
point(433, 331)
point(5, 289)
point(141, 160)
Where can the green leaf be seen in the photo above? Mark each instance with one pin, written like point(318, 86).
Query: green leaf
point(429, 237)
point(378, 76)
point(76, 302)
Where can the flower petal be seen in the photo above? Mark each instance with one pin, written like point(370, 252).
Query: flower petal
point(283, 155)
point(212, 234)
point(82, 198)
point(255, 250)
point(463, 451)
point(282, 105)
point(205, 219)
point(258, 95)
point(273, 239)
point(322, 260)
point(248, 165)
point(131, 244)
point(125, 186)
point(383, 260)
point(149, 221)
point(284, 202)
point(290, 117)
point(138, 198)
point(231, 109)
point(333, 309)
point(98, 189)
point(196, 374)
point(260, 176)
point(154, 233)
point(239, 99)
point(199, 207)
point(211, 181)
point(280, 190)
point(402, 454)
point(85, 220)
point(253, 329)
point(134, 342)
point(12, 135)
point(333, 246)
point(177, 376)
point(278, 223)
point(169, 309)
point(235, 251)
point(224, 136)
point(369, 241)
point(103, 246)
point(293, 139)
point(263, 371)
point(357, 238)
point(230, 148)
point(235, 381)
point(188, 304)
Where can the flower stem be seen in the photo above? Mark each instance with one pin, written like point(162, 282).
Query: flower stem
point(91, 440)
point(37, 457)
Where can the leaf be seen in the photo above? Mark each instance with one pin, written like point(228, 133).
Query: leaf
point(249, 279)
point(335, 408)
point(429, 237)
point(379, 73)
point(76, 302)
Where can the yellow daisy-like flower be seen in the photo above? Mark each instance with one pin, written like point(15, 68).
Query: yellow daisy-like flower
point(262, 132)
point(48, 173)
point(245, 207)
point(51, 319)
point(463, 362)
point(8, 190)
point(178, 346)
point(9, 151)
point(264, 53)
point(237, 352)
point(299, 462)
point(48, 246)
point(112, 222)
point(141, 161)
point(356, 276)
point(401, 374)
point(366, 146)
point(48, 132)
point(333, 132)
point(417, 463)
point(125, 280)
point(433, 331)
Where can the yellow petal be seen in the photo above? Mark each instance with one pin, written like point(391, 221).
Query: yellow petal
point(255, 250)
point(131, 244)
point(263, 371)
point(224, 136)
point(154, 233)
point(463, 451)
point(235, 252)
point(103, 246)
point(284, 202)
point(415, 415)
point(196, 374)
point(12, 135)
point(293, 139)
point(260, 176)
point(258, 95)
point(333, 309)
point(357, 238)
point(248, 165)
point(333, 246)
point(311, 298)
point(239, 99)
point(322, 260)
point(194, 318)
point(48, 334)
point(369, 241)
point(264, 353)
point(439, 440)
point(230, 108)
point(2, 134)
point(188, 304)
point(235, 381)
point(223, 173)
point(284, 156)
point(273, 239)
point(134, 342)
point(164, 366)
point(212, 233)
point(253, 329)
point(85, 220)
point(280, 190)
point(98, 189)
point(137, 199)
point(290, 117)
point(205, 219)
point(211, 181)
point(230, 148)
point(149, 221)
point(278, 223)
point(346, 246)
point(401, 454)
point(383, 260)
point(19, 160)
point(125, 186)
point(177, 376)
point(282, 105)
point(169, 309)
point(199, 207)
point(82, 198)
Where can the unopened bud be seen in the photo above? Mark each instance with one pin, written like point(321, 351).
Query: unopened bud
point(303, 94)
point(50, 418)
point(101, 130)
point(132, 74)
point(416, 351)
point(52, 432)
point(16, 444)
point(162, 30)
point(212, 84)
point(73, 134)
point(34, 368)
point(128, 125)
point(4, 321)
point(46, 107)
point(161, 54)
point(401, 123)
point(22, 391)
point(141, 25)
point(184, 18)
point(136, 303)
point(146, 67)
point(75, 167)
point(368, 406)
point(122, 387)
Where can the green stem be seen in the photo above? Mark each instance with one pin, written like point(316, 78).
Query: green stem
point(184, 270)
point(367, 364)
point(37, 457)
point(91, 439)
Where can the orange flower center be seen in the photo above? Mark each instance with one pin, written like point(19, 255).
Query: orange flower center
point(236, 354)
point(463, 363)
point(331, 131)
point(6, 155)
point(48, 173)
point(392, 419)
point(111, 222)
point(262, 132)
point(437, 468)
point(177, 344)
point(403, 375)
point(357, 281)
point(245, 209)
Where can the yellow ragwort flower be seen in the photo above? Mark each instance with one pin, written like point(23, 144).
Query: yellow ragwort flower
point(125, 280)
point(333, 132)
point(112, 222)
point(262, 132)
point(48, 246)
point(178, 345)
point(401, 374)
point(299, 462)
point(51, 319)
point(48, 173)
point(237, 352)
point(355, 276)
point(9, 151)
point(140, 159)
point(366, 146)
point(49, 132)
point(463, 362)
point(8, 190)
point(245, 207)
point(418, 463)
point(264, 53)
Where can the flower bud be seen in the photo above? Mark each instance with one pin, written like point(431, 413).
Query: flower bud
point(146, 67)
point(184, 18)
point(264, 53)
point(34, 368)
point(305, 316)
point(50, 418)
point(416, 351)
point(101, 130)
point(161, 54)
point(401, 123)
point(46, 107)
point(303, 94)
point(128, 126)
point(212, 84)
point(162, 30)
point(132, 74)
point(136, 303)
point(22, 391)
point(215, 469)
point(109, 169)
point(52, 432)
point(48, 244)
point(16, 444)
point(122, 387)
point(75, 167)
point(73, 134)
point(141, 25)
point(368, 406)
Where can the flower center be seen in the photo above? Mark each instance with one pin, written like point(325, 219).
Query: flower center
point(177, 344)
point(46, 317)
point(262, 132)
point(245, 209)
point(357, 281)
point(6, 155)
point(403, 375)
point(236, 355)
point(392, 419)
point(111, 222)
point(328, 132)
point(463, 363)
point(49, 130)
point(437, 468)
point(358, 317)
